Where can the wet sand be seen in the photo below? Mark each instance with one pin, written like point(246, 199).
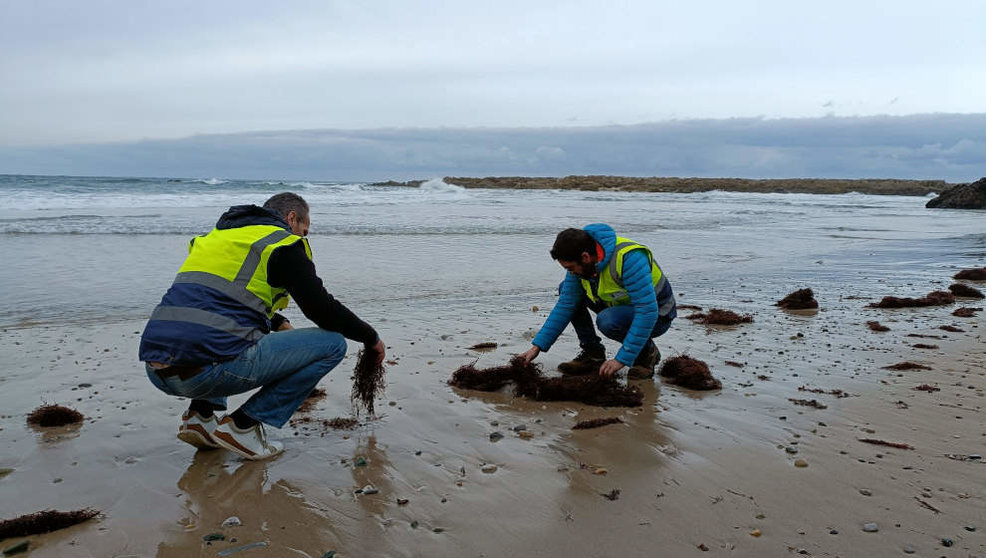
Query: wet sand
point(711, 469)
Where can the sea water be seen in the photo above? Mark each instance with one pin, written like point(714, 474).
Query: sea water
point(96, 250)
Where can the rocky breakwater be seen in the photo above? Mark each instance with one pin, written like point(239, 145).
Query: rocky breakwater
point(962, 196)
point(888, 186)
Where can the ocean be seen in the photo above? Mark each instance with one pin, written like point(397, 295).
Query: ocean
point(92, 250)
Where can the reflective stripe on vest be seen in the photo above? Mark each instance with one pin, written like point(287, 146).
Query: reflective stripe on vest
point(610, 288)
point(214, 258)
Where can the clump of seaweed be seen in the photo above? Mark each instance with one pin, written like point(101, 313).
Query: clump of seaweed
point(689, 372)
point(877, 326)
point(308, 405)
point(801, 299)
point(529, 382)
point(934, 298)
point(808, 403)
point(54, 415)
point(689, 307)
point(924, 346)
point(965, 312)
point(718, 316)
point(44, 522)
point(836, 392)
point(974, 274)
point(876, 442)
point(951, 328)
point(927, 387)
point(368, 381)
point(961, 289)
point(907, 365)
point(596, 423)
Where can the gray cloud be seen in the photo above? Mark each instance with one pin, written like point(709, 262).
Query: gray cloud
point(934, 146)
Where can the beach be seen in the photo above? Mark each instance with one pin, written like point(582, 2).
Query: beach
point(440, 269)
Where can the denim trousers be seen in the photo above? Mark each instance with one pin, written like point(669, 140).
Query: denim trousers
point(614, 322)
point(285, 365)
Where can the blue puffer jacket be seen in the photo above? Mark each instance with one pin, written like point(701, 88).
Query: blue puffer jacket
point(638, 283)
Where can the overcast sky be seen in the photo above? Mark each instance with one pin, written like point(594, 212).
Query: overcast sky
point(95, 71)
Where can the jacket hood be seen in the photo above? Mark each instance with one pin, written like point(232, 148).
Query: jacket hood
point(244, 215)
point(606, 237)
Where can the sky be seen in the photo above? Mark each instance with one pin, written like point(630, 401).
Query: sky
point(132, 74)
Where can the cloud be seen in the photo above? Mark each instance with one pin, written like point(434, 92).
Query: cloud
point(930, 146)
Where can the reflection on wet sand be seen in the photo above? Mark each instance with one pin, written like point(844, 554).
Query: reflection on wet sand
point(217, 487)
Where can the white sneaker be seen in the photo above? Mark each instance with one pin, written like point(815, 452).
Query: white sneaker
point(251, 443)
point(197, 431)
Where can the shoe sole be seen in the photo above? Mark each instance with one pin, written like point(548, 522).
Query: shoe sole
point(226, 440)
point(195, 435)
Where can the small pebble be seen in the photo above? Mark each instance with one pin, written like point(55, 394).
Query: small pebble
point(360, 461)
point(834, 532)
point(865, 491)
point(520, 427)
point(488, 468)
point(870, 527)
point(970, 528)
point(232, 522)
point(908, 549)
point(495, 436)
point(755, 533)
point(370, 489)
point(800, 463)
point(702, 547)
point(947, 542)
point(791, 450)
point(402, 501)
point(214, 537)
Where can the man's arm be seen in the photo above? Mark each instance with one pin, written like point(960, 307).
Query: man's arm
point(561, 314)
point(289, 268)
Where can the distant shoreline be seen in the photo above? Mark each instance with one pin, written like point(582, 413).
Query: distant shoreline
point(878, 186)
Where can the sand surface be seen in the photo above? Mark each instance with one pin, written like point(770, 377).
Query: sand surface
point(713, 469)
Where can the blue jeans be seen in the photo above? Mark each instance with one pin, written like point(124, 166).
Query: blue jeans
point(285, 365)
point(613, 322)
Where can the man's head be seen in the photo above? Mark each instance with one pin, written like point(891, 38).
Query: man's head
point(293, 208)
point(575, 250)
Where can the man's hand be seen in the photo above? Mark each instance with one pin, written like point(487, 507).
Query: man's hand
point(610, 367)
point(530, 354)
point(380, 349)
point(285, 325)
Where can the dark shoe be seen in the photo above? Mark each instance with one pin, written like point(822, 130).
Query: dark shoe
point(643, 367)
point(586, 362)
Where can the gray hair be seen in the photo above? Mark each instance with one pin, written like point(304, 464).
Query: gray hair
point(286, 202)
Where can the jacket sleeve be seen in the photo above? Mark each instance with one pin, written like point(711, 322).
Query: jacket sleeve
point(289, 268)
point(570, 295)
point(640, 286)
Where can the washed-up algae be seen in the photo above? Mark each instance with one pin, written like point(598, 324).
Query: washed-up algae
point(528, 381)
point(961, 289)
point(689, 373)
point(596, 423)
point(907, 365)
point(974, 274)
point(801, 299)
point(54, 415)
point(877, 326)
point(934, 298)
point(368, 381)
point(718, 316)
point(308, 405)
point(43, 522)
point(965, 312)
point(951, 328)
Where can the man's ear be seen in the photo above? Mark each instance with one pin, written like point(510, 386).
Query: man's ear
point(585, 258)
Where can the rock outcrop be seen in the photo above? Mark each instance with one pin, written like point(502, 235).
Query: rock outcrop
point(962, 196)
